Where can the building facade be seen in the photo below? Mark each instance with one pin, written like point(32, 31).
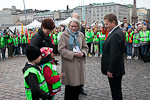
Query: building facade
point(62, 14)
point(29, 16)
point(96, 12)
point(148, 14)
point(43, 15)
point(142, 14)
point(8, 16)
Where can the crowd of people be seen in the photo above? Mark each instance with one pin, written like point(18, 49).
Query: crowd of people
point(74, 43)
point(15, 43)
point(137, 39)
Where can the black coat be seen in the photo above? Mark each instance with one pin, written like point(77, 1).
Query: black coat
point(40, 40)
point(82, 29)
point(113, 54)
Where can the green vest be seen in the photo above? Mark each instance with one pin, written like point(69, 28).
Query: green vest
point(50, 34)
point(89, 36)
point(55, 39)
point(2, 42)
point(85, 30)
point(129, 36)
point(144, 38)
point(41, 81)
point(102, 37)
point(56, 86)
point(30, 36)
point(60, 33)
point(16, 41)
point(23, 40)
point(135, 39)
point(96, 38)
point(10, 40)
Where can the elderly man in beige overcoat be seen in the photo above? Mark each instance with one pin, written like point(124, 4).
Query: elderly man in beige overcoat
point(73, 62)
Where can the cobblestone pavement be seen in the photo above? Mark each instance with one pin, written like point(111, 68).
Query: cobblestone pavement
point(136, 81)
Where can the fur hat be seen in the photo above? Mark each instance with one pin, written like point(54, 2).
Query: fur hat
point(32, 52)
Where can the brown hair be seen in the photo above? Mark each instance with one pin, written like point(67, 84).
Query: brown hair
point(48, 24)
point(111, 18)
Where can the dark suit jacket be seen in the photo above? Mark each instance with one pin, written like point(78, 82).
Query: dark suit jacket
point(113, 54)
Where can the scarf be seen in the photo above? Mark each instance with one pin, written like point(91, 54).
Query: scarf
point(73, 37)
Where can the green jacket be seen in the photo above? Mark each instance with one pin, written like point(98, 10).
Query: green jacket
point(10, 40)
point(16, 41)
point(101, 36)
point(135, 39)
point(89, 36)
point(55, 39)
point(96, 37)
point(23, 40)
point(2, 42)
point(144, 38)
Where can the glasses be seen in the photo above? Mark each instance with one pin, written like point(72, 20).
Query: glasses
point(73, 26)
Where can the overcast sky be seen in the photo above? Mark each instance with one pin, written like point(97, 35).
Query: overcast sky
point(61, 4)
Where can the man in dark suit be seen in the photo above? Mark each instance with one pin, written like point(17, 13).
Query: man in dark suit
point(112, 63)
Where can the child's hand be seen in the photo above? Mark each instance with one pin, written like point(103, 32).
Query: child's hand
point(61, 75)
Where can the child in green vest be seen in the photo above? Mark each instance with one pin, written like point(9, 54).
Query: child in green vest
point(49, 70)
point(96, 42)
point(10, 45)
point(89, 38)
point(1, 45)
point(16, 45)
point(136, 43)
point(23, 43)
point(35, 85)
point(144, 40)
point(55, 45)
point(101, 42)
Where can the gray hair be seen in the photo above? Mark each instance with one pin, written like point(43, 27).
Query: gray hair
point(74, 14)
point(76, 21)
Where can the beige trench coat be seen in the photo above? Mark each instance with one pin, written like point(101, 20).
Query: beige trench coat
point(73, 67)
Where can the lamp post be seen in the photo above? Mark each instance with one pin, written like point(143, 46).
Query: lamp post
point(25, 12)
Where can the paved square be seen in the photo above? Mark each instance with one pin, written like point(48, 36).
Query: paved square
point(136, 81)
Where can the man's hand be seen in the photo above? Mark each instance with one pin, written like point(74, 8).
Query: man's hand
point(109, 75)
point(78, 54)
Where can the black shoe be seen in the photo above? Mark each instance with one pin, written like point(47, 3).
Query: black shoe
point(83, 92)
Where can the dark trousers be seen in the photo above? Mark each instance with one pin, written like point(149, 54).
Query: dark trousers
point(10, 50)
point(89, 45)
point(3, 53)
point(148, 49)
point(23, 49)
point(115, 86)
point(129, 49)
point(16, 50)
point(72, 92)
point(143, 49)
point(136, 51)
point(55, 49)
